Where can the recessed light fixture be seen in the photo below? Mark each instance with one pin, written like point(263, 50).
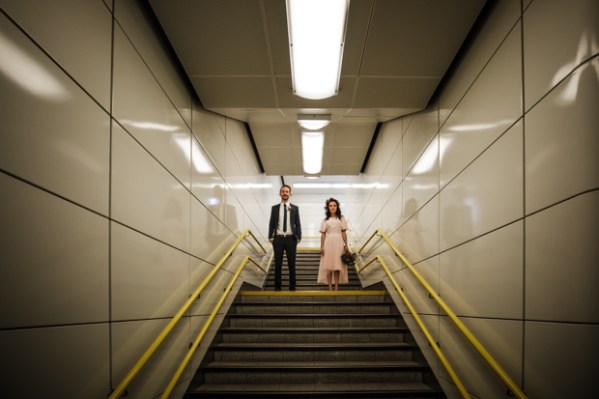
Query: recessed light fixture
point(313, 122)
point(312, 151)
point(316, 41)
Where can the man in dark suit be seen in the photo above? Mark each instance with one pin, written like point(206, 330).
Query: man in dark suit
point(284, 233)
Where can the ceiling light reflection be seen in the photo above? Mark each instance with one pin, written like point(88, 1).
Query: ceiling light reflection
point(364, 186)
point(28, 73)
point(473, 127)
point(197, 157)
point(150, 125)
point(433, 154)
point(250, 186)
point(586, 48)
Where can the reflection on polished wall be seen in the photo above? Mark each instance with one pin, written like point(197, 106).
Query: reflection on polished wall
point(493, 196)
point(119, 194)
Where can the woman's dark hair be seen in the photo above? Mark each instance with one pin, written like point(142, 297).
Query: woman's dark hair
point(326, 208)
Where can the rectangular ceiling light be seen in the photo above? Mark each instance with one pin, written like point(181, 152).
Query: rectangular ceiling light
point(316, 40)
point(312, 150)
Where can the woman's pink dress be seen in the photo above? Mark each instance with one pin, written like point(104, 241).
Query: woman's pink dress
point(333, 249)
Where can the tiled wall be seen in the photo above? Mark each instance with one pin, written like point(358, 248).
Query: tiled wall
point(493, 194)
point(118, 196)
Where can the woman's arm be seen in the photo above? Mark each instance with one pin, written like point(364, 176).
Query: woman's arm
point(344, 240)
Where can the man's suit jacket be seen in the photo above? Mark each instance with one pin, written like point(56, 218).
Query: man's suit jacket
point(294, 219)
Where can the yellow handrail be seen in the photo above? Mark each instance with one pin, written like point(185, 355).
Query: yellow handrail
point(171, 385)
point(467, 333)
point(425, 331)
point(118, 391)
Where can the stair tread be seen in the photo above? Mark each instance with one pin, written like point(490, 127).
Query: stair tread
point(314, 329)
point(315, 365)
point(316, 316)
point(329, 387)
point(315, 303)
point(331, 346)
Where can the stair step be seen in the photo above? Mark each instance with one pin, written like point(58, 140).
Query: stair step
point(304, 330)
point(354, 390)
point(306, 374)
point(315, 307)
point(320, 366)
point(273, 346)
point(313, 343)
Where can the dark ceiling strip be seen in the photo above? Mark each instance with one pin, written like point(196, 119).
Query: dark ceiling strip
point(251, 138)
point(146, 7)
point(371, 146)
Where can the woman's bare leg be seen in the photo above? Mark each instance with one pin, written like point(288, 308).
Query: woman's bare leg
point(337, 272)
point(329, 278)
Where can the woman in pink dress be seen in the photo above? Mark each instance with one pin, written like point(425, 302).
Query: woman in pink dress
point(333, 243)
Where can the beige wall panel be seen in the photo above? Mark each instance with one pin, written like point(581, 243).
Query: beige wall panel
point(85, 57)
point(416, 292)
point(561, 261)
point(206, 183)
point(155, 54)
point(420, 131)
point(392, 212)
point(392, 175)
point(142, 107)
point(477, 284)
point(210, 237)
point(548, 378)
point(501, 338)
point(131, 339)
point(56, 362)
point(53, 134)
point(487, 195)
point(145, 196)
point(54, 258)
point(420, 233)
point(552, 54)
point(209, 129)
point(422, 182)
point(562, 141)
point(488, 109)
point(148, 278)
point(502, 19)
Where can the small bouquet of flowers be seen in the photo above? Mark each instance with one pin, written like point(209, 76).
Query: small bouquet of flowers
point(348, 258)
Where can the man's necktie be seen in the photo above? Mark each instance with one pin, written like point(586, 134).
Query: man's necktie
point(284, 219)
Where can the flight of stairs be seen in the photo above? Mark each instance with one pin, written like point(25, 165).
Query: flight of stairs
point(313, 343)
point(306, 273)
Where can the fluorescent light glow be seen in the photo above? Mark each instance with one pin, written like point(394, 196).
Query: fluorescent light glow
point(342, 186)
point(150, 125)
point(316, 39)
point(431, 156)
point(197, 157)
point(250, 186)
point(312, 148)
point(427, 160)
point(313, 122)
point(28, 73)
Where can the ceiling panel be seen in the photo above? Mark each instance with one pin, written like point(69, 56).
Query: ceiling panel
point(236, 54)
